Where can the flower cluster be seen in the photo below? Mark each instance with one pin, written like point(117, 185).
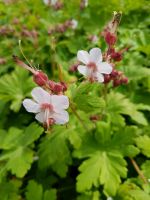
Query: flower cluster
point(61, 28)
point(110, 36)
point(55, 4)
point(48, 102)
point(83, 4)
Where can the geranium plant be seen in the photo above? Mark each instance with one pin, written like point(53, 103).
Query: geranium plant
point(75, 126)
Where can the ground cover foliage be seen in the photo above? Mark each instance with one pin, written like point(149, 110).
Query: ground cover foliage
point(103, 152)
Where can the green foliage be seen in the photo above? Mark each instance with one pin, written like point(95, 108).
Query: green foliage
point(130, 191)
point(17, 155)
point(10, 190)
point(86, 99)
point(15, 87)
point(35, 191)
point(86, 159)
point(143, 142)
point(118, 104)
point(105, 164)
point(54, 151)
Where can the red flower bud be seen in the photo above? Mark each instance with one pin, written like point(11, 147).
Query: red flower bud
point(40, 78)
point(116, 82)
point(58, 88)
point(73, 68)
point(114, 74)
point(117, 56)
point(110, 38)
point(107, 78)
point(94, 117)
point(64, 85)
point(124, 80)
point(51, 85)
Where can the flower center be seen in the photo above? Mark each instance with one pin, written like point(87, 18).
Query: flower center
point(47, 106)
point(92, 66)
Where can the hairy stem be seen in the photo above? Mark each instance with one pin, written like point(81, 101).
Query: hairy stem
point(135, 165)
point(78, 116)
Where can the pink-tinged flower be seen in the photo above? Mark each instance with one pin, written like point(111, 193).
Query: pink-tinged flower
point(93, 68)
point(74, 23)
point(49, 109)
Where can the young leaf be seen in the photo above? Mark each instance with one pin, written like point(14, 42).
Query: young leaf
point(118, 104)
point(146, 169)
point(15, 87)
point(54, 152)
point(35, 191)
point(130, 191)
point(15, 145)
point(9, 191)
point(86, 98)
point(143, 142)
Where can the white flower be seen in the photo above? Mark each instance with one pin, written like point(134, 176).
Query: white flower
point(94, 39)
point(109, 198)
point(48, 107)
point(50, 2)
point(74, 24)
point(94, 68)
point(86, 3)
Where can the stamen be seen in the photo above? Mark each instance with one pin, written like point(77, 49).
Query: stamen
point(92, 65)
point(47, 106)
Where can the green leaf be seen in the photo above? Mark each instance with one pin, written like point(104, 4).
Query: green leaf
point(22, 156)
point(143, 142)
point(54, 151)
point(104, 152)
point(15, 145)
point(86, 98)
point(50, 194)
point(146, 169)
point(118, 104)
point(101, 168)
point(90, 196)
point(35, 191)
point(129, 191)
point(9, 191)
point(15, 87)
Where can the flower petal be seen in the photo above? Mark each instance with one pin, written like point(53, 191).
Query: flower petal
point(40, 95)
point(61, 118)
point(99, 77)
point(82, 69)
point(59, 102)
point(95, 55)
point(31, 106)
point(83, 56)
point(104, 67)
point(40, 117)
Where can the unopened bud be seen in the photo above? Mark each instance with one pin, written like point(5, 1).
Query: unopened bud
point(51, 84)
point(116, 82)
point(117, 56)
point(124, 80)
point(94, 117)
point(107, 78)
point(58, 88)
point(40, 78)
point(64, 85)
point(114, 73)
point(110, 38)
point(73, 68)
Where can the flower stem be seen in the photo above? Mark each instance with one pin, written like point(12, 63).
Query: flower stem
point(135, 165)
point(78, 116)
